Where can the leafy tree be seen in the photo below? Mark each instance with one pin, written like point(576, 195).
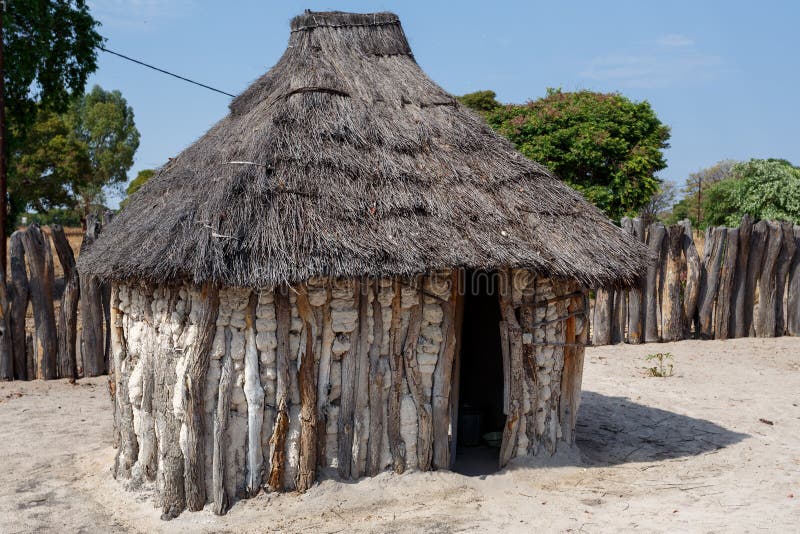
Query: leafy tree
point(50, 48)
point(103, 122)
point(697, 184)
point(137, 183)
point(67, 160)
point(481, 101)
point(603, 145)
point(765, 189)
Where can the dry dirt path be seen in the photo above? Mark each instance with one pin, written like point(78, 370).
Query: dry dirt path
point(687, 453)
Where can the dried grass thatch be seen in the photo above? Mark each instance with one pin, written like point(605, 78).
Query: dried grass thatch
point(343, 160)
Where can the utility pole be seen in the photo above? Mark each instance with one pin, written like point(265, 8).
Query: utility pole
point(3, 147)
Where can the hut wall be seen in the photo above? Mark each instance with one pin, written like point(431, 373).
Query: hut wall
point(376, 354)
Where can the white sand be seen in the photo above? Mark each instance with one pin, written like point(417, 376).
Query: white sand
point(686, 453)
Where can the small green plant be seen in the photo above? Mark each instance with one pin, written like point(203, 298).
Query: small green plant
point(663, 365)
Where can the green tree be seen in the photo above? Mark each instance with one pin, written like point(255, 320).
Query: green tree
point(103, 122)
point(603, 145)
point(68, 159)
point(696, 187)
point(764, 189)
point(50, 48)
point(137, 183)
point(481, 101)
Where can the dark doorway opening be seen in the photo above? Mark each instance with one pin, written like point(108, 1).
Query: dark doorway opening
point(480, 386)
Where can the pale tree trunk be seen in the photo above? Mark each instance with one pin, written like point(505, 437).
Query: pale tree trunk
point(68, 312)
point(785, 258)
point(709, 279)
point(40, 265)
point(758, 245)
point(655, 243)
point(692, 290)
point(672, 307)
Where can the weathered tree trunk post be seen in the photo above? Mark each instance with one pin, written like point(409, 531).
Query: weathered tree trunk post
point(442, 379)
point(19, 306)
point(655, 242)
point(692, 291)
point(40, 265)
point(709, 279)
point(619, 316)
point(197, 362)
point(793, 300)
point(6, 346)
point(758, 245)
point(672, 307)
point(601, 323)
point(785, 258)
point(91, 304)
point(635, 294)
point(68, 312)
point(738, 326)
point(722, 313)
point(767, 284)
point(105, 288)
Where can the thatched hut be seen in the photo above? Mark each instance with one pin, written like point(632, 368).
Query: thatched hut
point(308, 285)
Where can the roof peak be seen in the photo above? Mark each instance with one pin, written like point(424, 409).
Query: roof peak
point(340, 19)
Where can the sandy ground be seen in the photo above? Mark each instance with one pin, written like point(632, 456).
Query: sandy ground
point(688, 453)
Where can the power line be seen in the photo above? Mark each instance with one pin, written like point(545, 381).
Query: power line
point(123, 56)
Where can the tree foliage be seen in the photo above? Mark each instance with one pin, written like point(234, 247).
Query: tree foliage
point(136, 184)
point(68, 159)
point(604, 145)
point(696, 188)
point(50, 48)
point(765, 189)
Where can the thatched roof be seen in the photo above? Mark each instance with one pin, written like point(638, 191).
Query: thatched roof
point(343, 160)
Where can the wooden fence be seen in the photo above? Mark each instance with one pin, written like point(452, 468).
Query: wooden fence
point(57, 347)
point(746, 283)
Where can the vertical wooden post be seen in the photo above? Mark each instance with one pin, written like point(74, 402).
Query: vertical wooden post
point(415, 386)
point(105, 291)
point(6, 346)
point(767, 283)
point(377, 400)
point(283, 313)
point(793, 300)
point(197, 361)
point(19, 306)
point(655, 243)
point(693, 268)
point(344, 436)
point(722, 312)
point(40, 265)
point(91, 306)
point(361, 390)
point(68, 312)
point(601, 322)
point(788, 250)
point(758, 245)
point(709, 279)
point(672, 307)
point(515, 389)
point(307, 382)
point(396, 443)
point(738, 326)
point(619, 315)
point(443, 379)
point(636, 294)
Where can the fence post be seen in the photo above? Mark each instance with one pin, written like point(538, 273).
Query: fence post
point(19, 306)
point(767, 283)
point(6, 349)
point(692, 291)
point(68, 312)
point(739, 323)
point(635, 227)
point(723, 310)
point(788, 249)
point(709, 279)
point(655, 242)
point(91, 304)
point(40, 264)
point(793, 300)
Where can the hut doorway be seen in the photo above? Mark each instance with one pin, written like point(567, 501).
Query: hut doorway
point(480, 378)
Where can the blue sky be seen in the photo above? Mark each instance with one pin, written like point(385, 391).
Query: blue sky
point(723, 75)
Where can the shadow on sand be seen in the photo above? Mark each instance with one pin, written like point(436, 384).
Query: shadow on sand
point(616, 430)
